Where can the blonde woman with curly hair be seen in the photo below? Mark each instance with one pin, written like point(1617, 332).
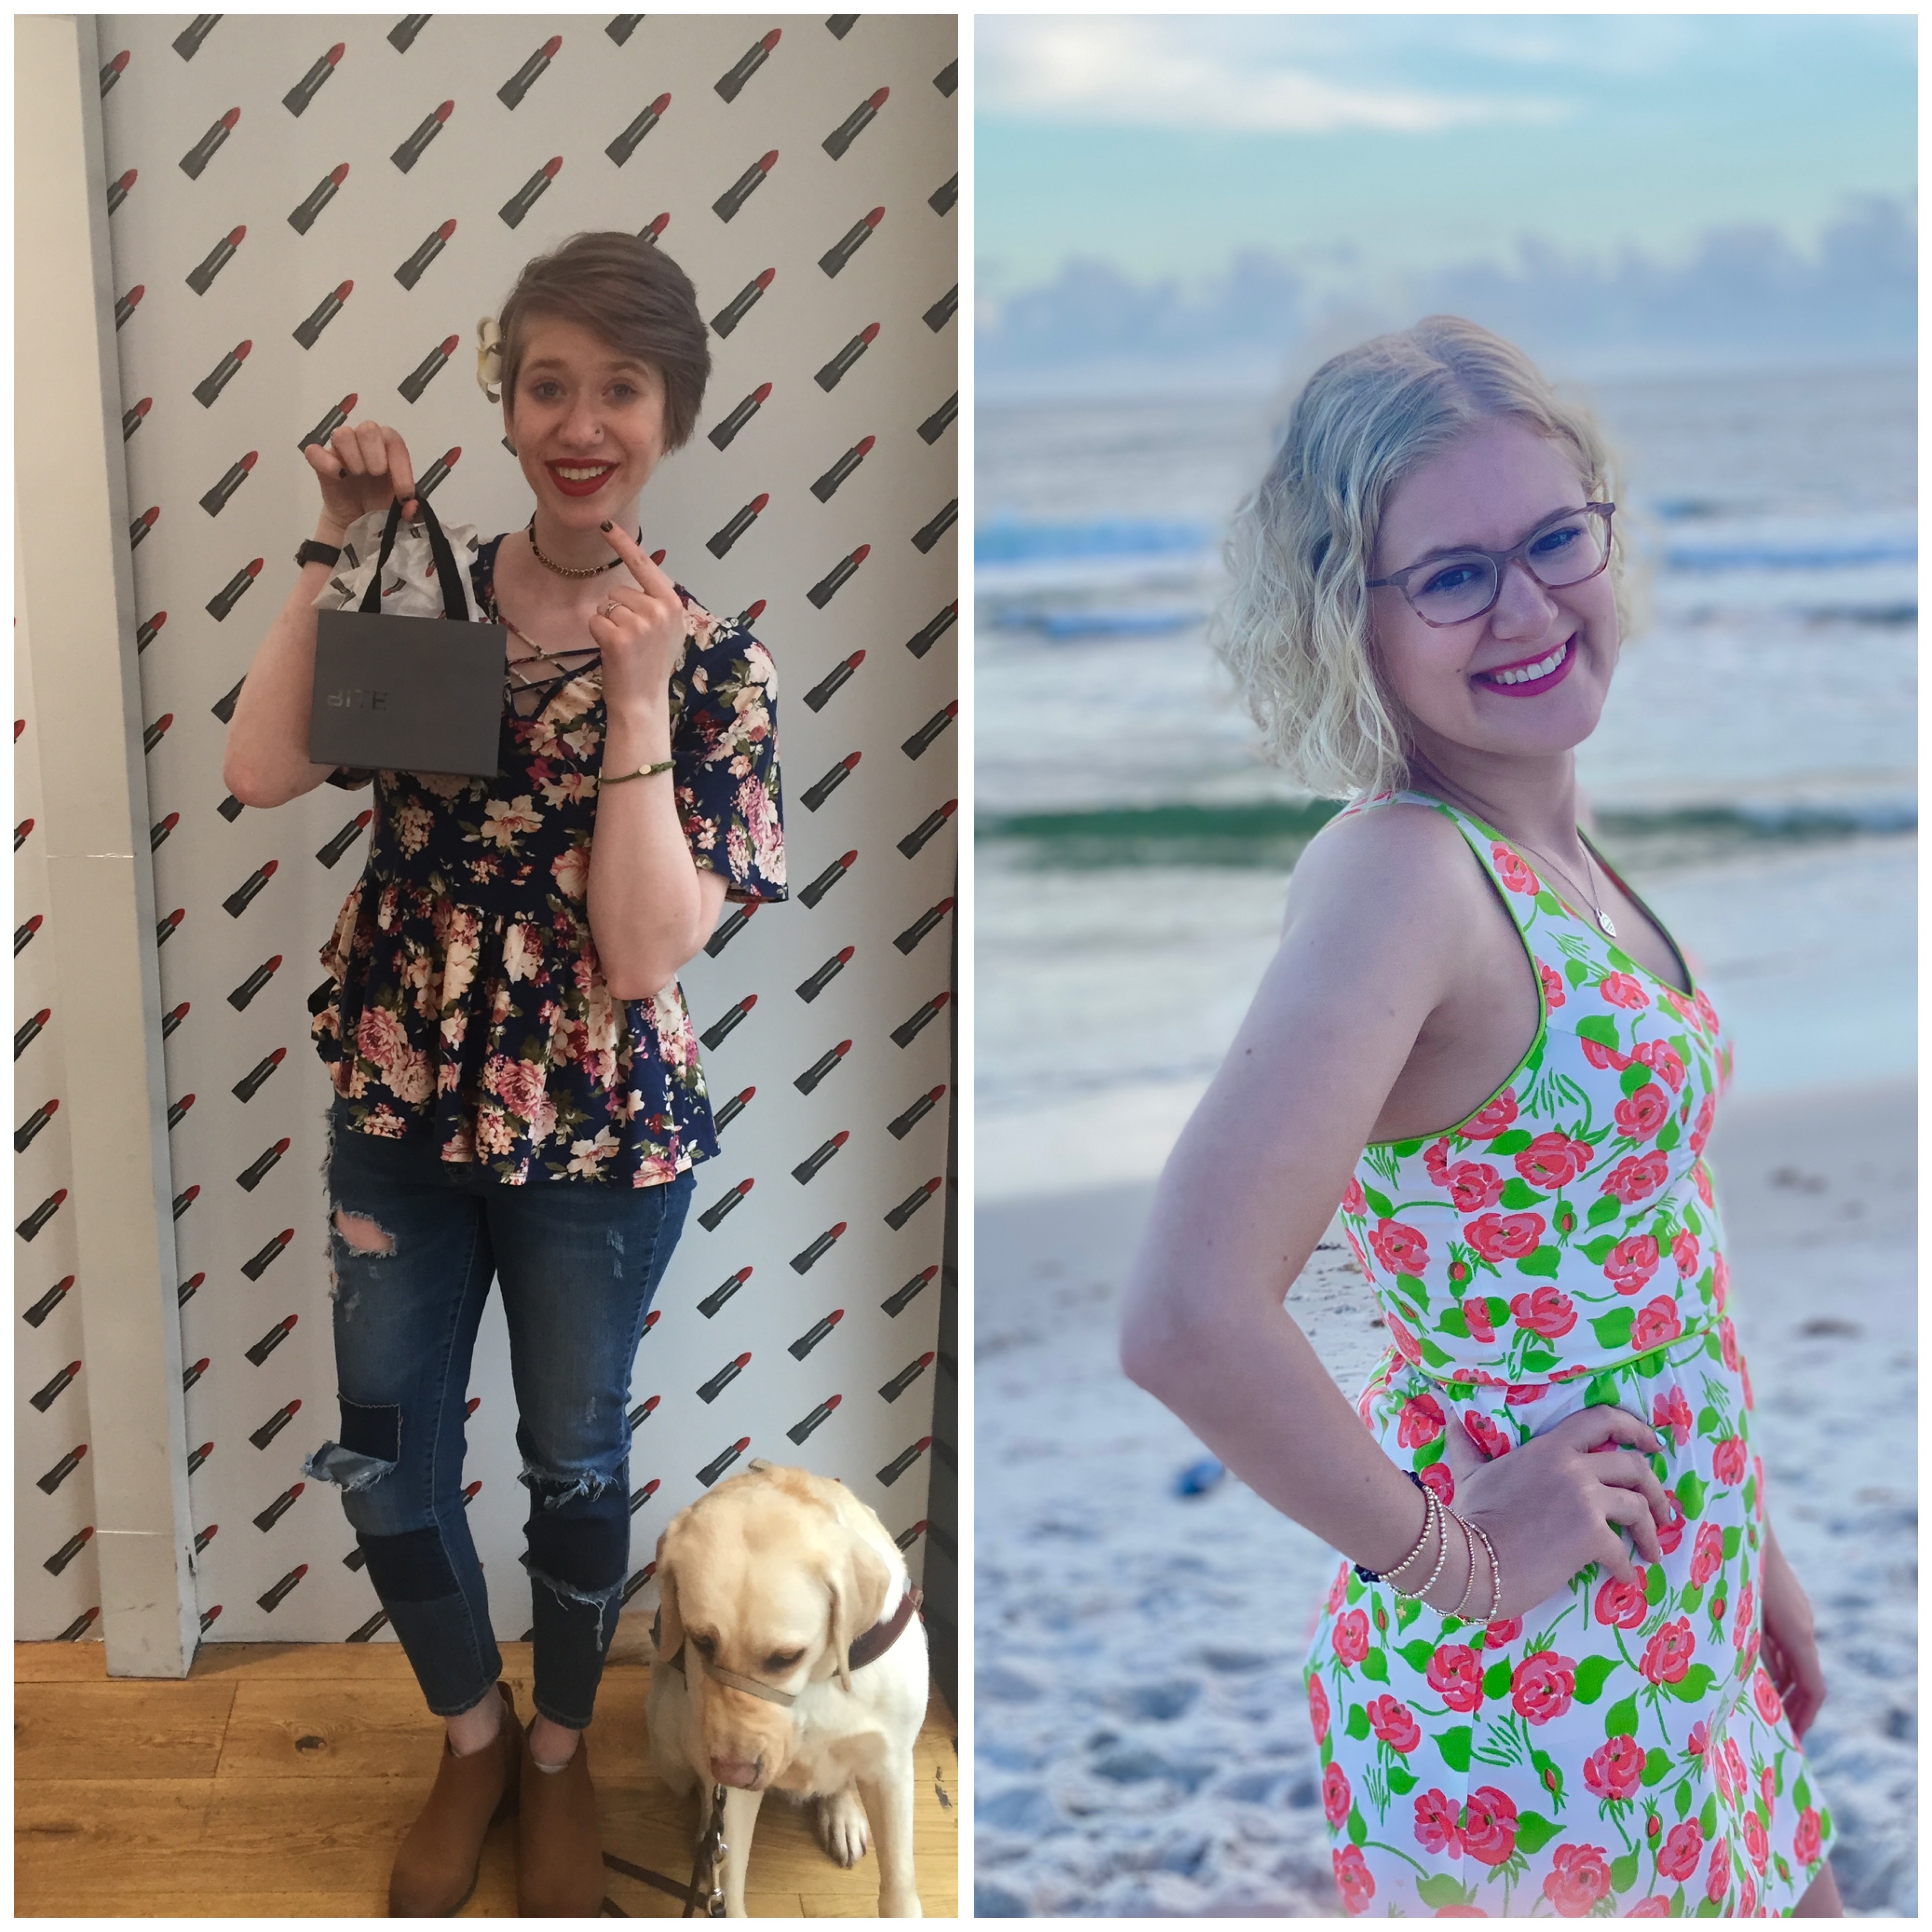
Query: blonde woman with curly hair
point(1565, 1666)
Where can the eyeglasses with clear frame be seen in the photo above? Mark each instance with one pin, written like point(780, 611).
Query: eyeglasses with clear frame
point(1570, 548)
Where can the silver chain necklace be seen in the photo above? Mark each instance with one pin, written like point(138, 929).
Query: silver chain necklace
point(1596, 904)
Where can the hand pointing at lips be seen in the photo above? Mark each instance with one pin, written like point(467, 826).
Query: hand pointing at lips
point(639, 627)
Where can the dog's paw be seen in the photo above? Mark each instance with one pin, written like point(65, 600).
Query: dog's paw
point(842, 1827)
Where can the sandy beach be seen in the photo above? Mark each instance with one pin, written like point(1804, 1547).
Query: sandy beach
point(1143, 1747)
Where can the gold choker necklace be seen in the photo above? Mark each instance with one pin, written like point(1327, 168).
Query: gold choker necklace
point(568, 570)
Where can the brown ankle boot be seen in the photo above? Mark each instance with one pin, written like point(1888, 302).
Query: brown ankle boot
point(560, 1852)
point(435, 1870)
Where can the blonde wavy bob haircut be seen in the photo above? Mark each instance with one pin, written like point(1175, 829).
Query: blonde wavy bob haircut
point(1294, 625)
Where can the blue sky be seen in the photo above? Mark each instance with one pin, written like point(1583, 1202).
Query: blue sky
point(1166, 145)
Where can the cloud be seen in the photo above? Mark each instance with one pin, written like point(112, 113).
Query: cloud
point(1142, 71)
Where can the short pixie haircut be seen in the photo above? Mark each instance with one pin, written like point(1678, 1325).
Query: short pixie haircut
point(1293, 626)
point(630, 295)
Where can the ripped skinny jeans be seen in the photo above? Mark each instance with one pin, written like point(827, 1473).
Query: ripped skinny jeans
point(578, 1262)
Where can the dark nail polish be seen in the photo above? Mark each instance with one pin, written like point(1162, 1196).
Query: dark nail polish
point(603, 526)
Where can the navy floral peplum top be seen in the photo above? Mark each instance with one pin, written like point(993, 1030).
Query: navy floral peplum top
point(465, 1003)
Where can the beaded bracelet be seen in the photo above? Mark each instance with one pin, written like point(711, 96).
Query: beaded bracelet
point(1369, 1576)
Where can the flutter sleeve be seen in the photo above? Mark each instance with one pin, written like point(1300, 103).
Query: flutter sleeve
point(724, 756)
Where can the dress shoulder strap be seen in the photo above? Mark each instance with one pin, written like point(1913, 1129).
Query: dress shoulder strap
point(1516, 879)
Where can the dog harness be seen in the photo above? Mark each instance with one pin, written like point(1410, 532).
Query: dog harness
point(867, 1648)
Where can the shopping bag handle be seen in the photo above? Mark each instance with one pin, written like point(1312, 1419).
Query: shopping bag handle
point(453, 605)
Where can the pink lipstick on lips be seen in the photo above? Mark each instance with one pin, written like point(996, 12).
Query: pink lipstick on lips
point(1536, 687)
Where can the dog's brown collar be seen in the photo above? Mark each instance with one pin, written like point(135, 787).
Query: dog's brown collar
point(868, 1647)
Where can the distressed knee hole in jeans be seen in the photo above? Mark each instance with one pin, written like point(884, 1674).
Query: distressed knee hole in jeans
point(555, 1488)
point(370, 1447)
point(365, 1236)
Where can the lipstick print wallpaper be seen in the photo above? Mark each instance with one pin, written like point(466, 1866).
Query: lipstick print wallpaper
point(307, 216)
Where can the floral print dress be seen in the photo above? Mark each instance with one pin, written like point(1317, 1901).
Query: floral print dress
point(1619, 1750)
point(465, 1003)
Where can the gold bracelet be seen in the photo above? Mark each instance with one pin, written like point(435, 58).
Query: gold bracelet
point(1435, 1523)
point(1415, 1548)
point(1496, 1570)
point(642, 772)
point(1469, 1549)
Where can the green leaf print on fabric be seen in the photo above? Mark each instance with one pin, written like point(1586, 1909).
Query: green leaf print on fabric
point(1533, 1831)
point(1613, 1329)
point(1442, 1893)
point(1454, 1746)
point(1593, 1673)
point(1620, 1720)
point(1357, 1726)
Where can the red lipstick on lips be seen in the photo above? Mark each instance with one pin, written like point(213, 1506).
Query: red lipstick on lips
point(580, 486)
point(1487, 679)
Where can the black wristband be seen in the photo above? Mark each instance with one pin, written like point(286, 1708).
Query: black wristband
point(313, 552)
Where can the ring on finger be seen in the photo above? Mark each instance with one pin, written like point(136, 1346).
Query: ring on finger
point(609, 607)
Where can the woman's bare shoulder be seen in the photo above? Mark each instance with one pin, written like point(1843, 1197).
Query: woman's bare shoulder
point(1409, 863)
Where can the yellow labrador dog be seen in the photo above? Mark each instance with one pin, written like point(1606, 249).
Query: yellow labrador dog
point(790, 1658)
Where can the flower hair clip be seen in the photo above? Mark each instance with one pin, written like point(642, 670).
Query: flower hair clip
point(490, 358)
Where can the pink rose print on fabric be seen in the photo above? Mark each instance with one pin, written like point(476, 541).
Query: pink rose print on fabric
point(1553, 1160)
point(1767, 1784)
point(1354, 1200)
point(1683, 1851)
point(1455, 1676)
point(1436, 1827)
point(1542, 1686)
point(1632, 1262)
point(1619, 989)
point(1757, 1842)
point(1708, 1555)
point(1494, 1118)
point(1394, 1723)
point(1406, 1345)
point(1520, 1395)
point(1656, 1323)
point(1701, 1175)
point(1486, 1435)
point(1436, 1161)
point(1621, 1604)
point(1639, 1116)
point(1719, 1882)
point(1617, 1770)
point(1498, 1237)
point(1734, 1762)
point(1476, 1313)
point(1513, 873)
point(1807, 1842)
point(1351, 1636)
point(1473, 1184)
point(1422, 1421)
point(1503, 1632)
point(1662, 1059)
point(1743, 1624)
point(1727, 1342)
point(1578, 1877)
point(1707, 1014)
point(1770, 1705)
point(1353, 1880)
point(1747, 1898)
point(1727, 1461)
point(1489, 1825)
point(1336, 1795)
point(1601, 1056)
point(1547, 1312)
point(1553, 993)
point(1400, 1248)
point(1649, 1908)
point(1317, 1708)
point(1684, 1251)
point(1437, 1476)
point(1721, 1280)
point(1667, 1656)
point(1636, 1176)
point(1671, 1415)
point(1338, 1591)
point(1361, 1259)
point(1706, 1115)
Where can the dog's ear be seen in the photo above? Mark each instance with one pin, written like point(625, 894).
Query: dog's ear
point(858, 1579)
point(671, 1625)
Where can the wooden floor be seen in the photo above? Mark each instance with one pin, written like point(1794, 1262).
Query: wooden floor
point(277, 1780)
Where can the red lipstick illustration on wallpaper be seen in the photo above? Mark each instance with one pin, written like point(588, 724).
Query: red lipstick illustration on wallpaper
point(275, 1593)
point(800, 1430)
point(250, 1084)
point(173, 1019)
point(854, 124)
point(279, 1508)
point(31, 1031)
point(922, 739)
point(41, 1215)
point(23, 933)
point(815, 1334)
point(941, 312)
point(914, 842)
point(117, 190)
point(741, 304)
point(362, 1632)
point(808, 990)
point(218, 378)
point(49, 1302)
point(942, 198)
point(904, 1461)
point(729, 84)
point(199, 156)
point(941, 419)
point(921, 641)
point(309, 330)
point(815, 795)
point(620, 29)
point(827, 587)
point(176, 1114)
point(129, 303)
point(23, 1135)
point(44, 1399)
point(438, 470)
point(640, 1497)
point(621, 150)
point(231, 480)
point(907, 1538)
point(273, 1340)
point(849, 243)
point(138, 529)
point(732, 1109)
point(899, 1216)
point(149, 630)
point(711, 1391)
point(526, 197)
point(749, 615)
point(821, 1066)
point(113, 72)
point(819, 1156)
point(252, 1176)
point(231, 593)
point(303, 218)
point(893, 1390)
point(204, 1538)
point(411, 152)
point(195, 1457)
point(821, 693)
point(426, 371)
point(164, 928)
point(224, 706)
point(922, 925)
point(157, 731)
point(331, 423)
point(909, 1029)
point(411, 272)
point(903, 1124)
point(829, 482)
point(274, 1426)
point(827, 879)
point(69, 1550)
point(652, 232)
point(929, 534)
point(527, 76)
point(902, 1298)
point(741, 190)
point(82, 1623)
point(255, 981)
point(721, 541)
point(723, 1205)
point(720, 438)
point(260, 1262)
point(329, 853)
point(305, 90)
point(716, 1467)
point(828, 379)
point(723, 1293)
point(947, 79)
point(732, 927)
point(715, 1035)
point(402, 35)
point(62, 1470)
point(815, 1251)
